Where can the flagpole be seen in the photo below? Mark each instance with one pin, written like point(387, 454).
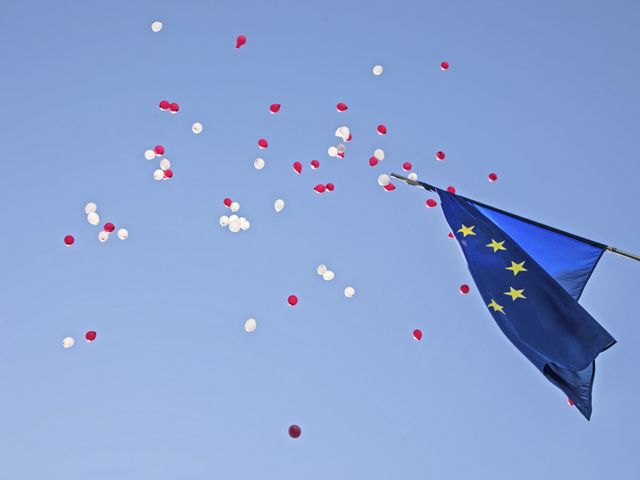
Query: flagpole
point(615, 250)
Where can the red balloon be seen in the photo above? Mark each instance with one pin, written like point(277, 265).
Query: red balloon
point(320, 188)
point(382, 130)
point(227, 202)
point(440, 155)
point(69, 240)
point(431, 203)
point(340, 154)
point(262, 143)
point(274, 108)
point(297, 166)
point(493, 177)
point(90, 336)
point(159, 150)
point(373, 161)
point(164, 105)
point(570, 402)
point(330, 187)
point(168, 173)
point(417, 334)
point(109, 227)
point(341, 107)
point(315, 164)
point(450, 235)
point(293, 300)
point(240, 41)
point(444, 66)
point(349, 138)
point(389, 187)
point(464, 289)
point(295, 431)
point(174, 107)
point(406, 166)
point(451, 189)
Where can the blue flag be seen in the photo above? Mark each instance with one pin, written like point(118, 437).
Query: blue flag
point(531, 278)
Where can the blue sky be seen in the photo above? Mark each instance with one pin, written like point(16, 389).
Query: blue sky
point(544, 94)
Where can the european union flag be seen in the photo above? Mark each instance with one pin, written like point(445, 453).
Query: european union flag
point(531, 278)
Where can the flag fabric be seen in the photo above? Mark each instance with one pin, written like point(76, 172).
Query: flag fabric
point(530, 278)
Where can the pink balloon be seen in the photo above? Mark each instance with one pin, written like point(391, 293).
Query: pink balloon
point(444, 66)
point(464, 289)
point(417, 334)
point(297, 166)
point(330, 187)
point(406, 166)
point(431, 203)
point(69, 240)
point(493, 177)
point(320, 188)
point(240, 41)
point(382, 130)
point(440, 155)
point(315, 164)
point(342, 107)
point(274, 108)
point(262, 143)
point(292, 300)
point(389, 187)
point(373, 161)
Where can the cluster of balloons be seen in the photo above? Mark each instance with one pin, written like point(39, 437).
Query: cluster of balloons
point(166, 105)
point(329, 275)
point(108, 228)
point(68, 342)
point(164, 172)
point(233, 222)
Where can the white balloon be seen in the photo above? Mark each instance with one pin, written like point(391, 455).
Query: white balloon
point(278, 205)
point(340, 148)
point(158, 174)
point(332, 151)
point(93, 218)
point(235, 206)
point(349, 292)
point(413, 176)
point(233, 218)
point(377, 70)
point(379, 154)
point(259, 163)
point(149, 154)
point(224, 221)
point(343, 133)
point(196, 128)
point(103, 236)
point(384, 180)
point(234, 226)
point(321, 269)
point(244, 224)
point(90, 208)
point(156, 26)
point(328, 275)
point(68, 342)
point(250, 325)
point(123, 233)
point(165, 164)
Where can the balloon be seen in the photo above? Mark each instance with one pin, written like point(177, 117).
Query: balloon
point(440, 155)
point(340, 154)
point(343, 132)
point(123, 233)
point(379, 154)
point(450, 235)
point(156, 26)
point(451, 189)
point(174, 108)
point(384, 180)
point(417, 334)
point(109, 227)
point(244, 224)
point(321, 269)
point(381, 129)
point(377, 70)
point(90, 336)
point(164, 105)
point(240, 41)
point(274, 108)
point(295, 431)
point(350, 137)
point(444, 66)
point(234, 226)
point(68, 342)
point(259, 163)
point(165, 164)
point(103, 236)
point(158, 174)
point(320, 188)
point(278, 205)
point(250, 325)
point(340, 148)
point(262, 143)
point(159, 150)
point(235, 206)
point(413, 176)
point(233, 218)
point(464, 289)
point(349, 292)
point(93, 218)
point(149, 154)
point(431, 203)
point(292, 300)
point(297, 167)
point(328, 275)
point(406, 166)
point(493, 177)
point(224, 221)
point(390, 188)
point(227, 202)
point(196, 128)
point(570, 402)
point(342, 107)
point(373, 161)
point(90, 208)
point(315, 164)
point(168, 173)
point(330, 186)
point(69, 240)
point(332, 151)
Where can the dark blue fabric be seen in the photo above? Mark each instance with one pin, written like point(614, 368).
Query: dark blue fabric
point(548, 326)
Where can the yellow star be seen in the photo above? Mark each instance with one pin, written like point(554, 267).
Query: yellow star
point(496, 307)
point(496, 245)
point(467, 230)
point(516, 268)
point(513, 293)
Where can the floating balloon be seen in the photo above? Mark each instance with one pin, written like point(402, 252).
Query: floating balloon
point(320, 188)
point(406, 166)
point(274, 108)
point(93, 218)
point(379, 154)
point(278, 205)
point(321, 269)
point(68, 342)
point(328, 275)
point(349, 138)
point(340, 148)
point(444, 66)
point(431, 203)
point(123, 233)
point(250, 325)
point(292, 300)
point(109, 227)
point(165, 164)
point(570, 402)
point(377, 70)
point(159, 150)
point(373, 161)
point(295, 431)
point(451, 189)
point(233, 218)
point(390, 188)
point(315, 164)
point(330, 187)
point(343, 133)
point(464, 289)
point(417, 334)
point(164, 105)
point(224, 221)
point(349, 292)
point(240, 41)
point(450, 235)
point(174, 108)
point(340, 154)
point(156, 26)
point(227, 202)
point(259, 163)
point(297, 167)
point(342, 107)
point(235, 226)
point(158, 174)
point(103, 236)
point(440, 155)
point(244, 224)
point(168, 173)
point(90, 208)
point(69, 240)
point(90, 336)
point(332, 151)
point(149, 154)
point(235, 206)
point(493, 177)
point(413, 176)
point(196, 128)
point(262, 143)
point(384, 180)
point(381, 129)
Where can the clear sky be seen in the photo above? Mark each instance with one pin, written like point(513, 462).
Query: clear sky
point(543, 93)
